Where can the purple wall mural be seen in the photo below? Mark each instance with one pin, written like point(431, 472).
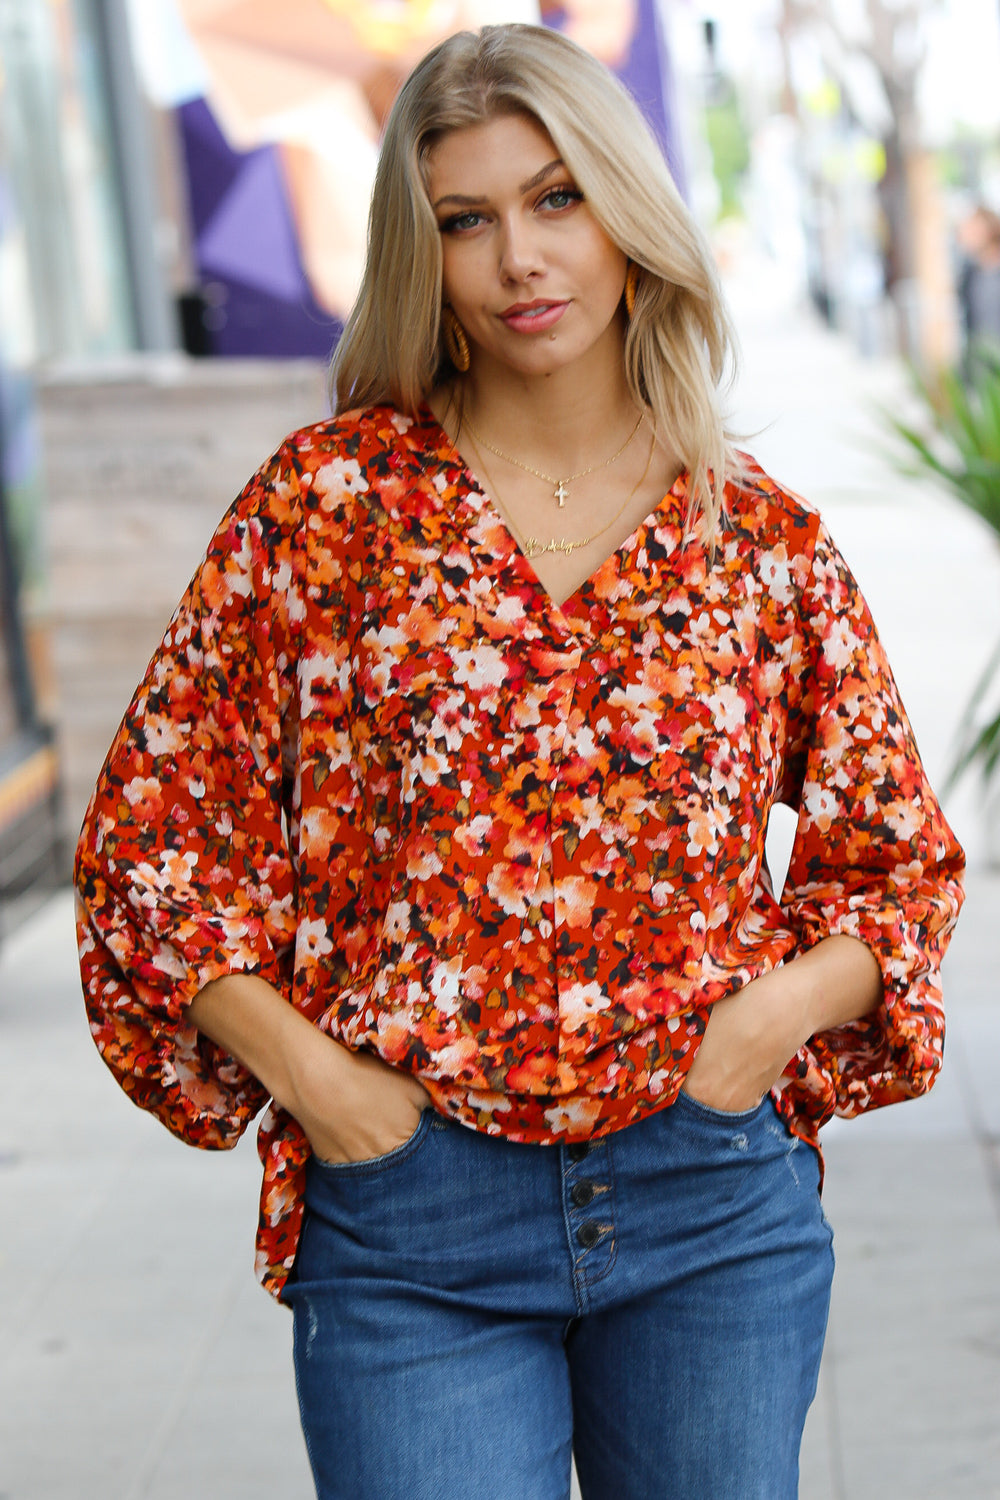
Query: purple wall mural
point(254, 293)
point(256, 299)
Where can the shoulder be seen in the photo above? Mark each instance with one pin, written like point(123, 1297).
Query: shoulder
point(784, 540)
point(364, 436)
point(760, 504)
point(363, 463)
point(767, 530)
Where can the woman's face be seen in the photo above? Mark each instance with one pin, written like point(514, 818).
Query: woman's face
point(530, 274)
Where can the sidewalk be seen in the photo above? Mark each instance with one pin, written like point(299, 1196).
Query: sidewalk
point(909, 1400)
point(139, 1360)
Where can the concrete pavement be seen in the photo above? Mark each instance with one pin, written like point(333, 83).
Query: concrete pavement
point(909, 1400)
point(138, 1359)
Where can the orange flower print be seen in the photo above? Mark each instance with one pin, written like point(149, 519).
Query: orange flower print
point(512, 887)
point(575, 1120)
point(575, 897)
point(144, 797)
point(514, 848)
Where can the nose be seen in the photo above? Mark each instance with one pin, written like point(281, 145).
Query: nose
point(519, 253)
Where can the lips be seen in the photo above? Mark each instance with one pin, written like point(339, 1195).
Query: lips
point(533, 317)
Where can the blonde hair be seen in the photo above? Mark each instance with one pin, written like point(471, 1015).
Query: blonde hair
point(679, 343)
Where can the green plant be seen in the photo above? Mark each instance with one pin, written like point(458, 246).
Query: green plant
point(729, 147)
point(963, 450)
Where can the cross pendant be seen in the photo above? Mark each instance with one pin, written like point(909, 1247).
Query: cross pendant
point(561, 494)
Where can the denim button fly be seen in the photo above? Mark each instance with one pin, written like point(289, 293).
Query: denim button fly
point(589, 1210)
point(588, 1234)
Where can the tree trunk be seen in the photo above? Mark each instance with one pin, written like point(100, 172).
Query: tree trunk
point(938, 343)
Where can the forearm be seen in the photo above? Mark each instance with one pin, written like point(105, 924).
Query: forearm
point(753, 1034)
point(351, 1105)
point(255, 1023)
point(840, 981)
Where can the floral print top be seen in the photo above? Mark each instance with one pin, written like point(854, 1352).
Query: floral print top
point(514, 847)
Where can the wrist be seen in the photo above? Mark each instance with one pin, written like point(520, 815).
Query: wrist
point(316, 1073)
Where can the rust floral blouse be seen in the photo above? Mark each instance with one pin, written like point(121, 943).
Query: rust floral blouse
point(515, 848)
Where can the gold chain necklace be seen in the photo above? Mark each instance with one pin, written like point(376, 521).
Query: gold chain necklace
point(559, 492)
point(531, 546)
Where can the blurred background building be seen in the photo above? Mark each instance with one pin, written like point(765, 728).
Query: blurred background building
point(183, 195)
point(182, 200)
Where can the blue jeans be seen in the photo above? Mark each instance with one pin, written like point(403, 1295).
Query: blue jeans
point(469, 1311)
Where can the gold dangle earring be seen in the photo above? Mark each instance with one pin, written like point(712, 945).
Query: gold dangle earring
point(631, 282)
point(456, 341)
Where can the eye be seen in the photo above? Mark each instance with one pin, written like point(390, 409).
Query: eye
point(560, 197)
point(461, 223)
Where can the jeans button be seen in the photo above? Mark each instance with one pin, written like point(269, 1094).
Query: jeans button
point(588, 1234)
point(578, 1150)
point(582, 1193)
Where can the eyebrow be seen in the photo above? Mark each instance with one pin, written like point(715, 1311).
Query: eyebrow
point(524, 187)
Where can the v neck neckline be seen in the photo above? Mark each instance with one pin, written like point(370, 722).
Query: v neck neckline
point(516, 557)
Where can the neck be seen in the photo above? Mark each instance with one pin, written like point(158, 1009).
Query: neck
point(553, 418)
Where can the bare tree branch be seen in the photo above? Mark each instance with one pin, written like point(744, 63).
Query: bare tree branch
point(897, 67)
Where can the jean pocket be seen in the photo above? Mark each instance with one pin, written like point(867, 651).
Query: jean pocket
point(721, 1116)
point(387, 1159)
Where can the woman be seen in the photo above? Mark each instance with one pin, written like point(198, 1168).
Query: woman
point(464, 741)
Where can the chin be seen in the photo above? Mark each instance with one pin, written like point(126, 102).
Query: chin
point(544, 361)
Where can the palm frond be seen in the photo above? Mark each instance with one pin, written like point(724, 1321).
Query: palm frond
point(960, 447)
point(974, 741)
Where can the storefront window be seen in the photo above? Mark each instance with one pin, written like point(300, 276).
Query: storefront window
point(56, 154)
point(62, 293)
